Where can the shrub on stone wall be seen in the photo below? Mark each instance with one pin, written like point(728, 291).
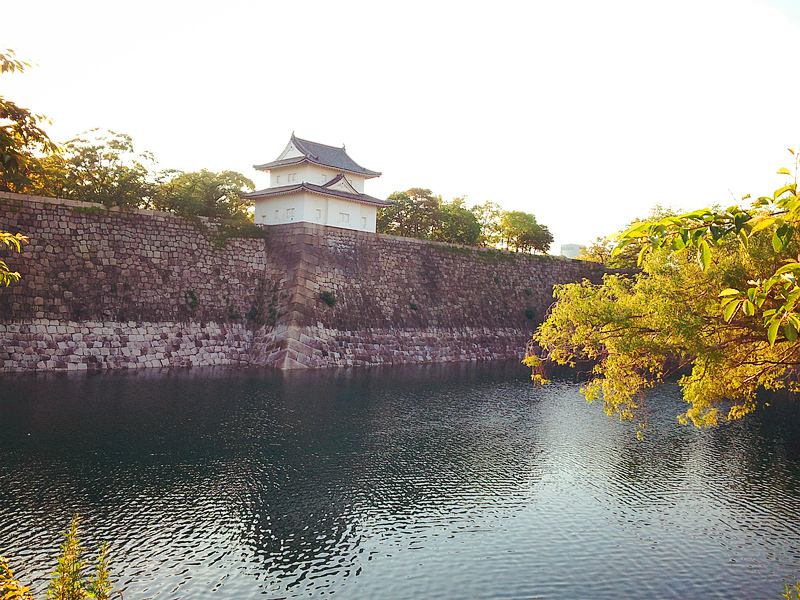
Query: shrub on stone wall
point(328, 298)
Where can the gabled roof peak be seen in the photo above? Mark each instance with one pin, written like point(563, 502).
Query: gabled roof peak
point(323, 155)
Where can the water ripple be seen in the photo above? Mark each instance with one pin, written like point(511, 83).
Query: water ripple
point(447, 482)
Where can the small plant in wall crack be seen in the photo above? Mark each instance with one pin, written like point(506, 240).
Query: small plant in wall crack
point(328, 298)
point(413, 306)
point(191, 299)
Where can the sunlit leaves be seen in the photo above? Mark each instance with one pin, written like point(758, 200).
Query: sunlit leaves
point(701, 230)
point(22, 138)
point(730, 308)
point(772, 331)
point(704, 254)
point(10, 587)
point(14, 242)
point(759, 223)
point(716, 300)
point(782, 236)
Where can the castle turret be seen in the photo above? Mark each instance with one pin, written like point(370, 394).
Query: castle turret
point(316, 183)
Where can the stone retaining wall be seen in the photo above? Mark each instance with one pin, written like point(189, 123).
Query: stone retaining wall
point(401, 300)
point(112, 289)
point(50, 345)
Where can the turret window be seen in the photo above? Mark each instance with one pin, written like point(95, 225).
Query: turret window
point(292, 177)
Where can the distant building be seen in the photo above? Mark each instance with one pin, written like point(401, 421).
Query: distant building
point(319, 184)
point(571, 250)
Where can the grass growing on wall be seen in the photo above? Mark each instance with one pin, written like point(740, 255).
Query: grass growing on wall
point(90, 210)
point(328, 298)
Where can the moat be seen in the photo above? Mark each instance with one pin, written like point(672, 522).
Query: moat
point(461, 481)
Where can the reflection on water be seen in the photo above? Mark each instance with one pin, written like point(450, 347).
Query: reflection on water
point(458, 481)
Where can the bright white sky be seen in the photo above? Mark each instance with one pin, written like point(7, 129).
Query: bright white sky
point(585, 113)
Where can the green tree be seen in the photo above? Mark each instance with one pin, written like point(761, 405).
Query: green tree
point(413, 213)
point(457, 224)
point(22, 138)
point(715, 302)
point(69, 577)
point(521, 232)
point(205, 193)
point(99, 166)
point(599, 251)
point(489, 215)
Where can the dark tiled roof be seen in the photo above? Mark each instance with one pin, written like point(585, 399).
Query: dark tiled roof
point(317, 189)
point(323, 155)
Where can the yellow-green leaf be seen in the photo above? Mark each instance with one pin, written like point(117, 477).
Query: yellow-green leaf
point(778, 242)
point(704, 255)
point(730, 310)
point(760, 223)
point(784, 171)
point(640, 257)
point(793, 266)
point(782, 190)
point(729, 292)
point(772, 331)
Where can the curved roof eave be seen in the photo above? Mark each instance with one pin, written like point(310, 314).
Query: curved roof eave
point(316, 189)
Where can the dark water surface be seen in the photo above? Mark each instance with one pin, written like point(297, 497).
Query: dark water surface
point(428, 482)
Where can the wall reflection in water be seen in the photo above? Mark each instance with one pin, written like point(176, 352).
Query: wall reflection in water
point(445, 481)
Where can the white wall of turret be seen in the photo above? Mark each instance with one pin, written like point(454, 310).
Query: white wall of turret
point(317, 175)
point(315, 208)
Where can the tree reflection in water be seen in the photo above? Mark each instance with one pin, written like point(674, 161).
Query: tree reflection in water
point(466, 476)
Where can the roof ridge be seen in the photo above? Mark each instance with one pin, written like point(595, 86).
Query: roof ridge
point(318, 143)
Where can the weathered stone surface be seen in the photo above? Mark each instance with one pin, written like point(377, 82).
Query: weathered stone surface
point(165, 344)
point(111, 289)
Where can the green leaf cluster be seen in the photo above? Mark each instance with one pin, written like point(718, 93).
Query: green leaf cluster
point(205, 193)
point(22, 139)
point(770, 296)
point(715, 304)
point(13, 241)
